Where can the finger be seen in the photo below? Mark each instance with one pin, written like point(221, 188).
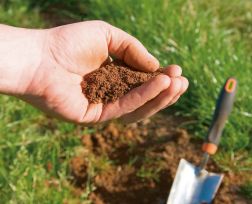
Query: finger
point(184, 87)
point(185, 84)
point(173, 70)
point(174, 100)
point(136, 98)
point(127, 48)
point(156, 104)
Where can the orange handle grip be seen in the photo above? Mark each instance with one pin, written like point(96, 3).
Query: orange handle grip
point(223, 108)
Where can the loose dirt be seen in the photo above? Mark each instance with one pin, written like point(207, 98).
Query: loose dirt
point(143, 161)
point(112, 81)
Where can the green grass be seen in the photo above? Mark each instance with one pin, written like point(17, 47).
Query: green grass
point(28, 143)
point(17, 13)
point(247, 190)
point(211, 40)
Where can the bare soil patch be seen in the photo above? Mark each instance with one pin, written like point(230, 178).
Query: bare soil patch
point(145, 159)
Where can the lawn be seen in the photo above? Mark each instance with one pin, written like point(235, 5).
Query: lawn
point(211, 40)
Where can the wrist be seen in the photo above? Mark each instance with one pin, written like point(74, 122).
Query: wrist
point(20, 56)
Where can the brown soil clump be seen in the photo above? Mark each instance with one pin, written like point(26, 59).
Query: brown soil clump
point(79, 171)
point(112, 81)
point(145, 157)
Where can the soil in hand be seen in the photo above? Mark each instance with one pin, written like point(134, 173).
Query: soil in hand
point(112, 81)
point(141, 162)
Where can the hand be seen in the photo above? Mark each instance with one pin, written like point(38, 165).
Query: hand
point(69, 52)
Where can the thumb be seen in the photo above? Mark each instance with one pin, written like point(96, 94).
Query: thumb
point(127, 48)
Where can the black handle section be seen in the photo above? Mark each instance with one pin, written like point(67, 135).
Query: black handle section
point(223, 108)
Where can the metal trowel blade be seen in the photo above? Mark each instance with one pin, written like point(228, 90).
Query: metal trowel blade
point(193, 185)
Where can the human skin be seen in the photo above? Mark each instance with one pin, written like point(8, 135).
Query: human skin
point(45, 68)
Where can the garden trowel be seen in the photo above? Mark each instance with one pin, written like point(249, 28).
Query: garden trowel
point(193, 184)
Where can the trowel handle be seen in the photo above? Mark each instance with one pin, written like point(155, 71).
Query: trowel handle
point(223, 108)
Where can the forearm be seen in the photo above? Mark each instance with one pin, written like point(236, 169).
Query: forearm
point(20, 55)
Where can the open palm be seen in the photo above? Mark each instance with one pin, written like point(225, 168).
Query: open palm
point(72, 51)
